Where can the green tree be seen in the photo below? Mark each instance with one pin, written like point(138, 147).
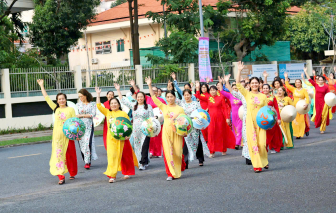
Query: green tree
point(306, 33)
point(57, 25)
point(118, 2)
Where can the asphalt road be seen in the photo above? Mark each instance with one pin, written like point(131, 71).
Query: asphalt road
point(299, 180)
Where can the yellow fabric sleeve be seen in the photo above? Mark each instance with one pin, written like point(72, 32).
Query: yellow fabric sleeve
point(290, 87)
point(241, 89)
point(51, 104)
point(102, 109)
point(306, 95)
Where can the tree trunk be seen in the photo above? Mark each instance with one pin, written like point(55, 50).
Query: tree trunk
point(130, 11)
point(136, 51)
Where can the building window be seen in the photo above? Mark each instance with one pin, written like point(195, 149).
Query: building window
point(121, 45)
point(103, 47)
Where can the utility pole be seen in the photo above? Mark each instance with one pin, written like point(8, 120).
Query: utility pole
point(87, 55)
point(165, 27)
point(201, 17)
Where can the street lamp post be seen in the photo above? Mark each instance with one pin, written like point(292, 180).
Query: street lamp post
point(201, 17)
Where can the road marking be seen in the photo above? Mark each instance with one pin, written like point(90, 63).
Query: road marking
point(25, 156)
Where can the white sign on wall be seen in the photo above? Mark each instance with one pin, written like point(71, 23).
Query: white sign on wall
point(271, 69)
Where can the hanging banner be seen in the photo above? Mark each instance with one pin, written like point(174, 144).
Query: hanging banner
point(204, 59)
point(271, 69)
point(294, 70)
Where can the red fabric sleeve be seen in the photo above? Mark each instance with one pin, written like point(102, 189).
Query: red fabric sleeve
point(201, 97)
point(275, 103)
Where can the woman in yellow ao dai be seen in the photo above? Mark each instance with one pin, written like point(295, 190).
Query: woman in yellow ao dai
point(299, 93)
point(256, 137)
point(284, 100)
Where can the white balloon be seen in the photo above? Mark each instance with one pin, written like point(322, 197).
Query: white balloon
point(300, 107)
point(330, 99)
point(288, 113)
point(241, 112)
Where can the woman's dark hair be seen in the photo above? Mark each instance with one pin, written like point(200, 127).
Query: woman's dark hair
point(132, 89)
point(269, 87)
point(145, 103)
point(160, 90)
point(118, 103)
point(206, 85)
point(213, 87)
point(233, 85)
point(57, 105)
point(170, 92)
point(188, 91)
point(321, 76)
point(219, 83)
point(188, 85)
point(284, 89)
point(277, 80)
point(172, 84)
point(256, 78)
point(86, 93)
point(109, 92)
point(333, 74)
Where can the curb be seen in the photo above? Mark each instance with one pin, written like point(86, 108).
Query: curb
point(32, 143)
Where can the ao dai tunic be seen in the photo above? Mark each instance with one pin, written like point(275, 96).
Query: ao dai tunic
point(256, 137)
point(60, 143)
point(117, 149)
point(172, 143)
point(245, 152)
point(286, 127)
point(87, 142)
point(299, 124)
point(204, 105)
point(274, 135)
point(321, 109)
point(236, 122)
point(192, 138)
point(139, 115)
point(220, 136)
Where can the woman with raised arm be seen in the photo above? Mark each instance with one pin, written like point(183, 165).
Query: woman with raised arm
point(86, 111)
point(300, 124)
point(321, 113)
point(283, 100)
point(235, 92)
point(204, 92)
point(235, 104)
point(141, 111)
point(63, 151)
point(220, 122)
point(172, 142)
point(331, 83)
point(186, 86)
point(194, 141)
point(273, 136)
point(109, 96)
point(256, 137)
point(119, 152)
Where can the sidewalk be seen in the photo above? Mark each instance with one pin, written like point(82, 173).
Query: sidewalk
point(34, 134)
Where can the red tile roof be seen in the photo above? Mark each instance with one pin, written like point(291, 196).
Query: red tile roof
point(120, 12)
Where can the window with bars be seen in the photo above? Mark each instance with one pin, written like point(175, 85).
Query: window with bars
point(103, 47)
point(121, 45)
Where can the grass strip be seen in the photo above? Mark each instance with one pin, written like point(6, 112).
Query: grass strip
point(36, 139)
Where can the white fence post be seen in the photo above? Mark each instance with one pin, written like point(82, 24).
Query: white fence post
point(78, 77)
point(191, 72)
point(138, 76)
point(5, 82)
point(309, 65)
point(234, 69)
point(88, 78)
